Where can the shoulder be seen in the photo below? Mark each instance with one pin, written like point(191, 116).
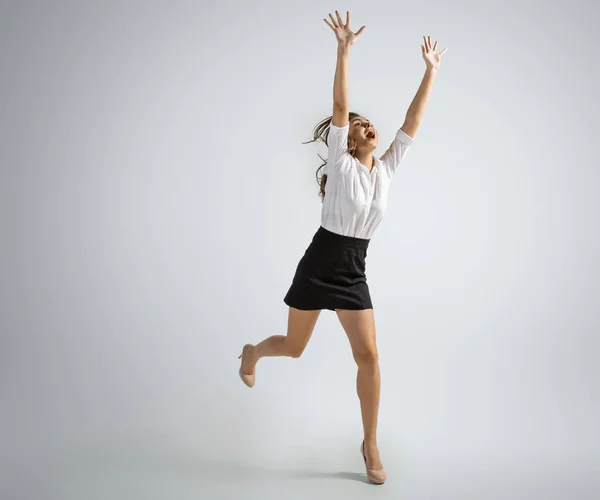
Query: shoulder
point(335, 130)
point(346, 165)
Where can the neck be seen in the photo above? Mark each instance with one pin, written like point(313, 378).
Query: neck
point(366, 158)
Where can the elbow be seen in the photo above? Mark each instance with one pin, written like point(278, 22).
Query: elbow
point(340, 106)
point(414, 118)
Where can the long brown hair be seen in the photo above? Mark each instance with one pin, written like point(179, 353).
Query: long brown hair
point(321, 133)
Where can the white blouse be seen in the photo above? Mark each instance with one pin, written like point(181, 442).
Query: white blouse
point(356, 198)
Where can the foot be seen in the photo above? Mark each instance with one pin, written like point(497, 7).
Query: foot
point(248, 359)
point(375, 472)
point(247, 367)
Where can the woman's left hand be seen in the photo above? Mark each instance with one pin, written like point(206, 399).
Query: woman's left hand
point(432, 58)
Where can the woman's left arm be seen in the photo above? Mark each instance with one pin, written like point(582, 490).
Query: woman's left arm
point(417, 106)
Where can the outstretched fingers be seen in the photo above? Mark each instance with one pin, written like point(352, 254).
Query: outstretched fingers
point(329, 24)
point(428, 47)
point(342, 30)
point(337, 22)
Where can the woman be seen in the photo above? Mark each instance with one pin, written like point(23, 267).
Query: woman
point(331, 274)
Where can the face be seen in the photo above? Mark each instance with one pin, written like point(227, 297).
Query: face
point(363, 132)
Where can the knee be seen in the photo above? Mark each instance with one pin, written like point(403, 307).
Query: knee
point(295, 351)
point(367, 358)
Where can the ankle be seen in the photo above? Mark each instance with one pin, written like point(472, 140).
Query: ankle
point(254, 354)
point(371, 446)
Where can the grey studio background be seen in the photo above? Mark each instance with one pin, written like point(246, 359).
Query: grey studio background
point(155, 201)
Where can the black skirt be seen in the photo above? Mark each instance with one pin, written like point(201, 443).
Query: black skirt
point(331, 274)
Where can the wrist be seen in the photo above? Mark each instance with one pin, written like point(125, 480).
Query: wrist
point(343, 47)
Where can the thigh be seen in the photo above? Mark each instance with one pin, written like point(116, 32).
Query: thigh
point(301, 325)
point(359, 326)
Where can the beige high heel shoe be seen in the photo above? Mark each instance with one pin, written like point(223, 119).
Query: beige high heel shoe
point(375, 476)
point(247, 378)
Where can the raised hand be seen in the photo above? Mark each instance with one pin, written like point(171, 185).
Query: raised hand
point(432, 58)
point(343, 33)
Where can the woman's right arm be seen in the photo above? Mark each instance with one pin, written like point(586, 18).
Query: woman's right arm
point(345, 38)
point(341, 106)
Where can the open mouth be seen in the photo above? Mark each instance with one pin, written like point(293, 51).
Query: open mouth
point(370, 134)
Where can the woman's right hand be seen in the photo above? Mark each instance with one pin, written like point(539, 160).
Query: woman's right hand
point(342, 31)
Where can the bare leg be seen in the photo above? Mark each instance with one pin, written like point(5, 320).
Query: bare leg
point(299, 330)
point(360, 327)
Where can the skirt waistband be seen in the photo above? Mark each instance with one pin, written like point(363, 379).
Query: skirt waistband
point(341, 238)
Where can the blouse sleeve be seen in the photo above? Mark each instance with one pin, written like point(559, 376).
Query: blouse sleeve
point(397, 151)
point(337, 147)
